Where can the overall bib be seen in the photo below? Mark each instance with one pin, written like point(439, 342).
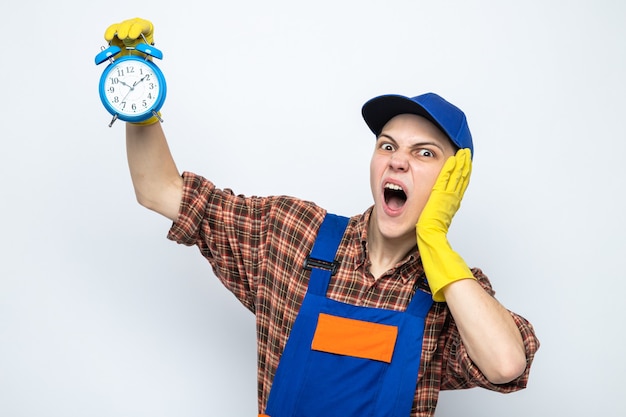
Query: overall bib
point(344, 360)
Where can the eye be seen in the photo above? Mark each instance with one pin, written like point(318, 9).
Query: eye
point(386, 146)
point(426, 153)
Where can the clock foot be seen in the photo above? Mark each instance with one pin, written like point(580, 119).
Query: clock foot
point(113, 120)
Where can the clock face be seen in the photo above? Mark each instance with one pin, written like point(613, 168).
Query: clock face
point(132, 88)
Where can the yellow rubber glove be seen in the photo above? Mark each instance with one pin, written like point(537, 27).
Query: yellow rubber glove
point(443, 265)
point(126, 35)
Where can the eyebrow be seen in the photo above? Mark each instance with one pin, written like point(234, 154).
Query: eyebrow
point(414, 145)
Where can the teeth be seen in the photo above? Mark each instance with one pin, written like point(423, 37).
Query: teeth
point(393, 187)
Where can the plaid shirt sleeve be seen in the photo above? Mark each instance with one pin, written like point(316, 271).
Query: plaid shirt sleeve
point(257, 247)
point(459, 370)
point(215, 233)
point(234, 232)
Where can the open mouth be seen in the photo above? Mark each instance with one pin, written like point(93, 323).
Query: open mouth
point(395, 197)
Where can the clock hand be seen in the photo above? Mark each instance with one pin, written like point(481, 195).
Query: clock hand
point(132, 88)
point(129, 91)
point(139, 81)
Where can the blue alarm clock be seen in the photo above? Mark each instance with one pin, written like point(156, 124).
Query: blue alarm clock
point(132, 87)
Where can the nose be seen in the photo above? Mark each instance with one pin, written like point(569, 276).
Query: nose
point(399, 161)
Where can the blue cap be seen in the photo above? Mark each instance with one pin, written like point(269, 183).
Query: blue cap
point(446, 116)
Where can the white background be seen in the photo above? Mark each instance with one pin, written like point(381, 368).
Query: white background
point(101, 315)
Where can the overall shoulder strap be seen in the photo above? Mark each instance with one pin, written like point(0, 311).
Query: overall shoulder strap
point(321, 260)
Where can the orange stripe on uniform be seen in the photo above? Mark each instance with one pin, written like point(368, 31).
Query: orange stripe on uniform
point(361, 339)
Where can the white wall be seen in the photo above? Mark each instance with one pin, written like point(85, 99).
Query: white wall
point(100, 315)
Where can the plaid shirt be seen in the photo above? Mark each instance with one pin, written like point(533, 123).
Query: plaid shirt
point(257, 247)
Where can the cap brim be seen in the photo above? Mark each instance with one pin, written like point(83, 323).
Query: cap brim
point(379, 110)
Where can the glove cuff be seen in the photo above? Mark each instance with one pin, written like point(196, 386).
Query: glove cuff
point(442, 265)
point(150, 121)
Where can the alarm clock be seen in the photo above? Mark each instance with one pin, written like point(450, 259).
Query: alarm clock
point(132, 87)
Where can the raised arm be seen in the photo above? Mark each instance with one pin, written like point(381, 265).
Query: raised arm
point(489, 333)
point(157, 182)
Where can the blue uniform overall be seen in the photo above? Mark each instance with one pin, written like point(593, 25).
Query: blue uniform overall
point(344, 360)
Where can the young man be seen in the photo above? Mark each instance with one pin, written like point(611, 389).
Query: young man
point(346, 323)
